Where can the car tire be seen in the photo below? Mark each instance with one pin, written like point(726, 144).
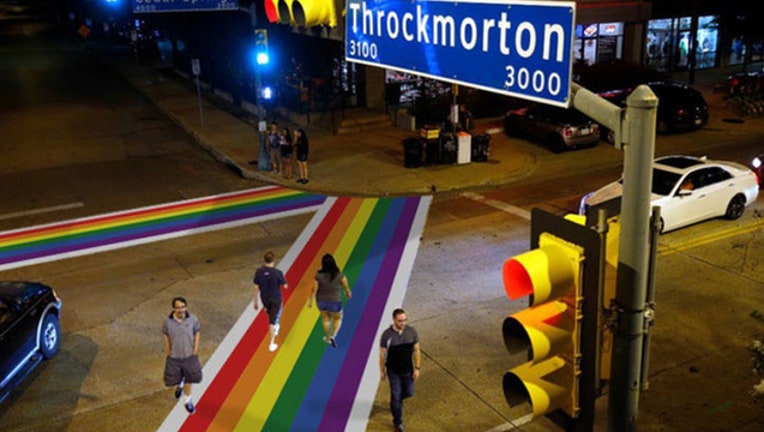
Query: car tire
point(555, 144)
point(50, 336)
point(735, 207)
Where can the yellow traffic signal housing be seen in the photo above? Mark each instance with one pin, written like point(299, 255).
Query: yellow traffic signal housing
point(549, 330)
point(307, 13)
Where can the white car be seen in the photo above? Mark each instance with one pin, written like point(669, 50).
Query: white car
point(690, 189)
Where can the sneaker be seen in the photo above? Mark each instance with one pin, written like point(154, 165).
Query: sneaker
point(333, 342)
point(178, 392)
point(272, 347)
point(190, 407)
point(304, 181)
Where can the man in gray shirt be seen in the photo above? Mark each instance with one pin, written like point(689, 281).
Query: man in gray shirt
point(181, 345)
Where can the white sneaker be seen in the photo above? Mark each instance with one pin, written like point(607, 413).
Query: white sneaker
point(272, 347)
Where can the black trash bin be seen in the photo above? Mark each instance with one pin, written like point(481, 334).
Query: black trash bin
point(412, 152)
point(480, 147)
point(448, 148)
point(432, 151)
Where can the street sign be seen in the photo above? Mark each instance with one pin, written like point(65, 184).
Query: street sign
point(517, 48)
point(196, 68)
point(149, 6)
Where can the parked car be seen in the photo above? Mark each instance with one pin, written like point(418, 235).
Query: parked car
point(29, 330)
point(680, 107)
point(690, 189)
point(557, 128)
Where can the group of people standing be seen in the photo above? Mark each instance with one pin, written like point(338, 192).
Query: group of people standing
point(400, 357)
point(284, 147)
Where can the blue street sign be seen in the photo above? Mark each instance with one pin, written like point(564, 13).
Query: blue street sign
point(149, 6)
point(518, 48)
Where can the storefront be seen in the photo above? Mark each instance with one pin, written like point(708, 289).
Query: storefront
point(597, 43)
point(669, 41)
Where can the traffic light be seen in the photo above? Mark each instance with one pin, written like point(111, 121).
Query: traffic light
point(549, 330)
point(272, 10)
point(262, 56)
point(305, 13)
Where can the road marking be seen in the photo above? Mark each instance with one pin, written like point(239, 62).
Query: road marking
point(668, 249)
point(513, 425)
point(517, 211)
point(42, 210)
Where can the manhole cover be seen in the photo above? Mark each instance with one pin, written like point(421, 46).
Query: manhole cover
point(733, 120)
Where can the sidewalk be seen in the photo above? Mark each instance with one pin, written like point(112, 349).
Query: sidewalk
point(369, 163)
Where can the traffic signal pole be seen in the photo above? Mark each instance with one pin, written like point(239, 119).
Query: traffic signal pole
point(633, 254)
point(635, 128)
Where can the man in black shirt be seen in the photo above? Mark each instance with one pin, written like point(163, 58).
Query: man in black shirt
point(400, 361)
point(268, 282)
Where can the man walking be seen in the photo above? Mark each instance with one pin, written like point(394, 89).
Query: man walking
point(268, 282)
point(181, 345)
point(400, 361)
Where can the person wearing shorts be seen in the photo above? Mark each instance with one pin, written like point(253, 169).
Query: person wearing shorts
point(328, 285)
point(269, 281)
point(181, 345)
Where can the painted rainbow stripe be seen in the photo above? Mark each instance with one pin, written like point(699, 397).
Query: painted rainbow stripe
point(78, 237)
point(307, 385)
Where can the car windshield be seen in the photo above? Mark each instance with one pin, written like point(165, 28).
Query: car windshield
point(664, 181)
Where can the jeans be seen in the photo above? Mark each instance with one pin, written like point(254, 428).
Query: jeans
point(401, 387)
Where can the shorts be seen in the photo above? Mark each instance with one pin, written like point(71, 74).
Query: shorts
point(182, 369)
point(302, 157)
point(329, 306)
point(273, 307)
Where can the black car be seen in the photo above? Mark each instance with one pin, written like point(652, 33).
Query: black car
point(557, 128)
point(680, 107)
point(29, 330)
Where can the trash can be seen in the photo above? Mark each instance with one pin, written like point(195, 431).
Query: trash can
point(448, 148)
point(463, 147)
point(480, 147)
point(412, 152)
point(432, 151)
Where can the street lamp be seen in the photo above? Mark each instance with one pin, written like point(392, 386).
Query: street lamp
point(261, 60)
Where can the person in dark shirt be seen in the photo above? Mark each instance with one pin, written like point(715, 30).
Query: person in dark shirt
point(399, 361)
point(301, 148)
point(269, 281)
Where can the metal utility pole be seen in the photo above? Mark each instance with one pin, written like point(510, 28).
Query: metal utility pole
point(631, 288)
point(635, 128)
point(261, 60)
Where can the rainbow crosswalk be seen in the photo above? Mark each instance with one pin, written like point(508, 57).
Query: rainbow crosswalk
point(306, 385)
point(89, 235)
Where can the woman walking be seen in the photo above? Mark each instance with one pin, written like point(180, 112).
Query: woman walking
point(301, 148)
point(327, 293)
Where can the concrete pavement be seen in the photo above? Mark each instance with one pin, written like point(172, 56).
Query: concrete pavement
point(369, 163)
